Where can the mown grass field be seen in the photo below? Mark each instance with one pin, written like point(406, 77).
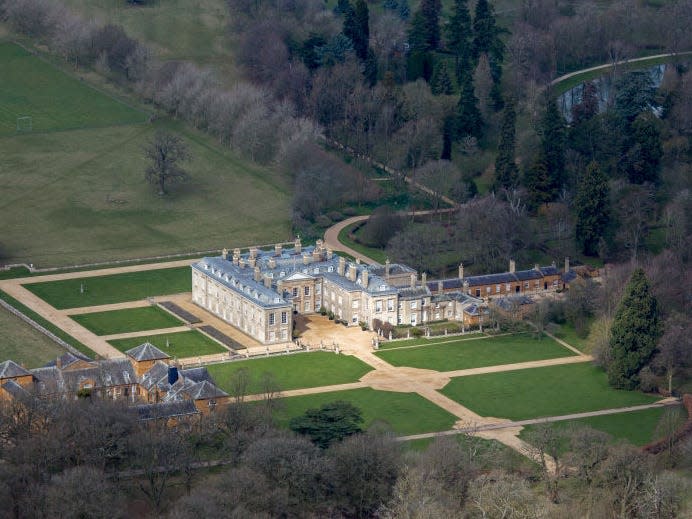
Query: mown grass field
point(537, 392)
point(180, 344)
point(24, 345)
point(463, 354)
point(79, 196)
point(638, 427)
point(127, 320)
point(422, 341)
point(115, 288)
point(54, 100)
point(294, 371)
point(404, 413)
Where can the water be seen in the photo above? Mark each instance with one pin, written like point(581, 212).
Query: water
point(604, 91)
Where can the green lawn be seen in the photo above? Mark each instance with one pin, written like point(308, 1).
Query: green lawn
point(127, 320)
point(405, 413)
point(421, 341)
point(295, 371)
point(378, 255)
point(21, 343)
point(568, 334)
point(54, 100)
point(463, 354)
point(117, 288)
point(549, 391)
point(636, 427)
point(12, 332)
point(180, 345)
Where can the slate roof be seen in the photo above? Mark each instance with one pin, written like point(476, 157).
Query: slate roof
point(196, 374)
point(413, 293)
point(166, 410)
point(10, 369)
point(394, 269)
point(157, 375)
point(494, 279)
point(15, 390)
point(205, 389)
point(106, 373)
point(506, 303)
point(569, 276)
point(67, 359)
point(146, 351)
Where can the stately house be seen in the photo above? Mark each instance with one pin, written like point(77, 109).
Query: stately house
point(146, 378)
point(258, 291)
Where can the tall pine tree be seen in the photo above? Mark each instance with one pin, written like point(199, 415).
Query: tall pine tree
point(357, 27)
point(538, 183)
point(486, 39)
point(430, 9)
point(635, 332)
point(592, 207)
point(459, 34)
point(552, 130)
point(506, 172)
point(469, 120)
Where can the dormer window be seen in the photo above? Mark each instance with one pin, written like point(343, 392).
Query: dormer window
point(330, 268)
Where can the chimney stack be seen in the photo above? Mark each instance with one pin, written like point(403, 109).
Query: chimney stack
point(297, 246)
point(253, 252)
point(424, 278)
point(241, 263)
point(567, 265)
point(306, 258)
point(414, 278)
point(461, 271)
point(318, 245)
point(224, 254)
point(440, 286)
point(258, 273)
point(537, 267)
point(365, 278)
point(330, 254)
point(386, 268)
point(271, 263)
point(342, 266)
point(267, 281)
point(316, 253)
point(352, 272)
point(278, 249)
point(252, 261)
point(512, 266)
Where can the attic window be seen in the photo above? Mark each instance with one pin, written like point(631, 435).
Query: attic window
point(330, 268)
point(282, 274)
point(383, 288)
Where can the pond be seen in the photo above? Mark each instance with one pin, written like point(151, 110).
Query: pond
point(604, 90)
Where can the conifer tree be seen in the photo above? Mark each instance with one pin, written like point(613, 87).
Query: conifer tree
point(636, 329)
point(430, 10)
point(486, 33)
point(469, 120)
point(459, 34)
point(592, 207)
point(538, 182)
point(357, 28)
point(644, 158)
point(506, 171)
point(440, 82)
point(552, 131)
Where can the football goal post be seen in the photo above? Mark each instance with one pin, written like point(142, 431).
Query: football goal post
point(24, 123)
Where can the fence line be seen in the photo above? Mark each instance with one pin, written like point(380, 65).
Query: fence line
point(40, 328)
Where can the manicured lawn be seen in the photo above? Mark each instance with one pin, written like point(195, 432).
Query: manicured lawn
point(426, 342)
point(405, 413)
point(46, 324)
point(24, 345)
point(294, 371)
point(378, 255)
point(568, 334)
point(463, 354)
point(180, 345)
point(117, 288)
point(127, 320)
point(54, 100)
point(636, 427)
point(549, 391)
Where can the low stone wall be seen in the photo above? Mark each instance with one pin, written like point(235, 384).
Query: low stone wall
point(40, 328)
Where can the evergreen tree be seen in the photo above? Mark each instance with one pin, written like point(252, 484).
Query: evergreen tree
point(440, 82)
point(370, 67)
point(486, 34)
point(552, 131)
point(587, 108)
point(644, 158)
point(430, 10)
point(404, 10)
point(506, 171)
point(469, 120)
point(636, 329)
point(459, 34)
point(447, 138)
point(538, 182)
point(357, 28)
point(592, 207)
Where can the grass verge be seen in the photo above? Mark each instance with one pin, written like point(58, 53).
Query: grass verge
point(463, 354)
point(127, 320)
point(178, 345)
point(378, 255)
point(537, 392)
point(404, 413)
point(24, 345)
point(116, 288)
point(296, 371)
point(47, 325)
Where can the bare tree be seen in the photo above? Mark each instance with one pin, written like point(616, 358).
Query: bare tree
point(165, 151)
